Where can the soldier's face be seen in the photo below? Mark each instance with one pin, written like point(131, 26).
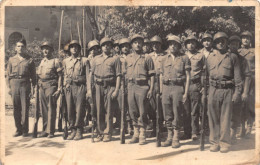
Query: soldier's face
point(20, 48)
point(221, 43)
point(94, 50)
point(234, 45)
point(156, 46)
point(246, 40)
point(106, 47)
point(116, 48)
point(207, 42)
point(191, 45)
point(146, 48)
point(174, 47)
point(46, 51)
point(137, 44)
point(125, 48)
point(74, 49)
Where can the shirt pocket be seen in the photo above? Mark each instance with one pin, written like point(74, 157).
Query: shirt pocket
point(167, 68)
point(179, 67)
point(195, 64)
point(15, 68)
point(24, 68)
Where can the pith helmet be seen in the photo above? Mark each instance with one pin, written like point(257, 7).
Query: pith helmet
point(234, 37)
point(105, 40)
point(47, 43)
point(156, 39)
point(192, 37)
point(247, 33)
point(124, 41)
point(74, 42)
point(174, 38)
point(136, 36)
point(220, 35)
point(206, 35)
point(92, 43)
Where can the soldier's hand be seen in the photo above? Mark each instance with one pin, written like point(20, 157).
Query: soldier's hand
point(149, 94)
point(9, 92)
point(57, 93)
point(244, 97)
point(88, 95)
point(114, 94)
point(184, 98)
point(235, 97)
point(202, 90)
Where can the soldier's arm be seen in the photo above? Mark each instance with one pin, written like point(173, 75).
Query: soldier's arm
point(9, 70)
point(247, 82)
point(187, 67)
point(118, 73)
point(237, 75)
point(151, 73)
point(161, 75)
point(58, 67)
point(88, 78)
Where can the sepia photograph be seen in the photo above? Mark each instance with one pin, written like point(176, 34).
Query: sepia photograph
point(129, 83)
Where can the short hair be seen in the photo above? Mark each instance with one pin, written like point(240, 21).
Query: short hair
point(22, 40)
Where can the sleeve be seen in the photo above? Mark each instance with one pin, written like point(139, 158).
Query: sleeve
point(150, 66)
point(58, 65)
point(33, 72)
point(245, 68)
point(9, 71)
point(237, 74)
point(187, 64)
point(88, 70)
point(161, 66)
point(93, 65)
point(117, 65)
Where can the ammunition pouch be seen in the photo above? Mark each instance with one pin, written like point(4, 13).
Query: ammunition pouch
point(222, 84)
point(138, 81)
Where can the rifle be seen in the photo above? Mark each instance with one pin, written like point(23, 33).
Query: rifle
point(123, 117)
point(204, 110)
point(94, 124)
point(36, 109)
point(158, 110)
point(63, 109)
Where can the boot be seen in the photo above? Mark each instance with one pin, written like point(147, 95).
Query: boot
point(107, 138)
point(242, 131)
point(233, 135)
point(168, 141)
point(142, 139)
point(135, 137)
point(248, 131)
point(72, 134)
point(175, 139)
point(78, 134)
point(129, 128)
point(153, 133)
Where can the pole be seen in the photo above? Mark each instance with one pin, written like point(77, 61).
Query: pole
point(83, 31)
point(61, 20)
point(79, 36)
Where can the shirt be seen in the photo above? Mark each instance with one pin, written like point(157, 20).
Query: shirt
point(197, 64)
point(49, 68)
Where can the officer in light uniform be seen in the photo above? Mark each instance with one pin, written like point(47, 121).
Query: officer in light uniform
point(106, 70)
point(77, 89)
point(49, 73)
point(175, 77)
point(139, 69)
point(20, 70)
point(224, 76)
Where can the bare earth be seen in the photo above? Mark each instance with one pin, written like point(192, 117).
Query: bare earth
point(27, 150)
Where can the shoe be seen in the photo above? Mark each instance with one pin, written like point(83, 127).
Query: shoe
point(99, 138)
point(194, 137)
point(78, 135)
point(51, 135)
point(17, 134)
point(72, 134)
point(135, 138)
point(185, 137)
point(25, 134)
point(224, 149)
point(214, 148)
point(107, 138)
point(175, 139)
point(142, 138)
point(43, 134)
point(242, 131)
point(248, 132)
point(176, 144)
point(168, 141)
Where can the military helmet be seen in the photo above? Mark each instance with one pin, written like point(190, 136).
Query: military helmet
point(66, 47)
point(124, 41)
point(191, 37)
point(116, 42)
point(206, 35)
point(247, 33)
point(156, 39)
point(48, 44)
point(92, 43)
point(136, 36)
point(220, 35)
point(234, 37)
point(174, 38)
point(146, 41)
point(74, 42)
point(105, 40)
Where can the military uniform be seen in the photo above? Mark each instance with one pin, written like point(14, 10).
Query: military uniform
point(20, 70)
point(48, 73)
point(76, 72)
point(224, 74)
point(105, 71)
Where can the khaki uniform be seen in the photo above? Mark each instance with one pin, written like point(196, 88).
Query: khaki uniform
point(48, 73)
point(20, 71)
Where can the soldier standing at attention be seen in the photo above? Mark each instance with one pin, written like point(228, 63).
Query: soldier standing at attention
point(192, 107)
point(207, 41)
point(49, 73)
point(140, 69)
point(116, 48)
point(234, 42)
point(175, 77)
point(249, 54)
point(77, 89)
point(224, 76)
point(20, 70)
point(146, 46)
point(156, 55)
point(106, 70)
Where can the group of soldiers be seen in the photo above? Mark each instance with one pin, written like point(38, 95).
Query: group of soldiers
point(225, 66)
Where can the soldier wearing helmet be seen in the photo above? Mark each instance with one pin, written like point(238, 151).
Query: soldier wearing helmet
point(175, 74)
point(140, 69)
point(106, 70)
point(116, 48)
point(238, 114)
point(146, 46)
point(225, 80)
point(249, 54)
point(93, 49)
point(206, 41)
point(192, 106)
point(49, 73)
point(77, 87)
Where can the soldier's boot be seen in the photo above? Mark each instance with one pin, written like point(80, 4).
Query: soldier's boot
point(129, 128)
point(175, 139)
point(248, 131)
point(233, 135)
point(168, 141)
point(142, 138)
point(72, 134)
point(78, 134)
point(242, 130)
point(153, 134)
point(135, 138)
